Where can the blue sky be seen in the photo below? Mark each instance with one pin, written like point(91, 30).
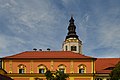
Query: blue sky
point(42, 24)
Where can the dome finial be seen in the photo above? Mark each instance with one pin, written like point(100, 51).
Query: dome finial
point(71, 20)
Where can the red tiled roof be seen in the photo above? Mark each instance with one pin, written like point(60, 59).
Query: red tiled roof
point(103, 65)
point(48, 54)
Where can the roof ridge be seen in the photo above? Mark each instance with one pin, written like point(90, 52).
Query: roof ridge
point(108, 58)
point(49, 54)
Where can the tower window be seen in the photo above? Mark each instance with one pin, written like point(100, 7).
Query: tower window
point(79, 49)
point(73, 48)
point(66, 48)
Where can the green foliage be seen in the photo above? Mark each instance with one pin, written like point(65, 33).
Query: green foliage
point(115, 73)
point(58, 75)
point(61, 75)
point(49, 75)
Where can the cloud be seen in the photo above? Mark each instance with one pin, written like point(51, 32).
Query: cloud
point(24, 26)
point(101, 30)
point(3, 42)
point(10, 44)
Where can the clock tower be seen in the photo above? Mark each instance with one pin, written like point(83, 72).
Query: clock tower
point(72, 42)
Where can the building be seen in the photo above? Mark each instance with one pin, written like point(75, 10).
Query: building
point(31, 65)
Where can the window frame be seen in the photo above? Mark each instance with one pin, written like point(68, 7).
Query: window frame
point(66, 47)
point(21, 69)
point(62, 68)
point(42, 68)
point(73, 48)
point(82, 69)
point(41, 71)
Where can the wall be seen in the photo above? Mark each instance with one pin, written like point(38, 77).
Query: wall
point(51, 64)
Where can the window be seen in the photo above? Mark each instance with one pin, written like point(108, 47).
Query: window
point(62, 68)
point(66, 48)
point(42, 68)
point(81, 71)
point(82, 68)
point(21, 69)
point(73, 48)
point(79, 49)
point(42, 71)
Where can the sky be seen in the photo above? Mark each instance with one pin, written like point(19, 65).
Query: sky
point(42, 24)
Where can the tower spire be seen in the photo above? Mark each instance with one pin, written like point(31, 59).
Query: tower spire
point(71, 29)
point(72, 42)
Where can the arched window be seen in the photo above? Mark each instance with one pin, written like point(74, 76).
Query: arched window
point(21, 68)
point(42, 68)
point(73, 48)
point(62, 68)
point(82, 68)
point(66, 47)
point(79, 49)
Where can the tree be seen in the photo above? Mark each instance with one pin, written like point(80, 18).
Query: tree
point(58, 75)
point(115, 73)
point(49, 75)
point(61, 75)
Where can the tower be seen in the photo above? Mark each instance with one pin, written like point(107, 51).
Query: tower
point(72, 42)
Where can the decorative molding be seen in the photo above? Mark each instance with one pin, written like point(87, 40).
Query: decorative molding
point(10, 66)
point(52, 65)
point(71, 66)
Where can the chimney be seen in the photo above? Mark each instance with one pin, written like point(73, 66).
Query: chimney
point(34, 49)
point(48, 49)
point(40, 49)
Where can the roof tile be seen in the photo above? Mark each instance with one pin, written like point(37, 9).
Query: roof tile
point(103, 64)
point(48, 54)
